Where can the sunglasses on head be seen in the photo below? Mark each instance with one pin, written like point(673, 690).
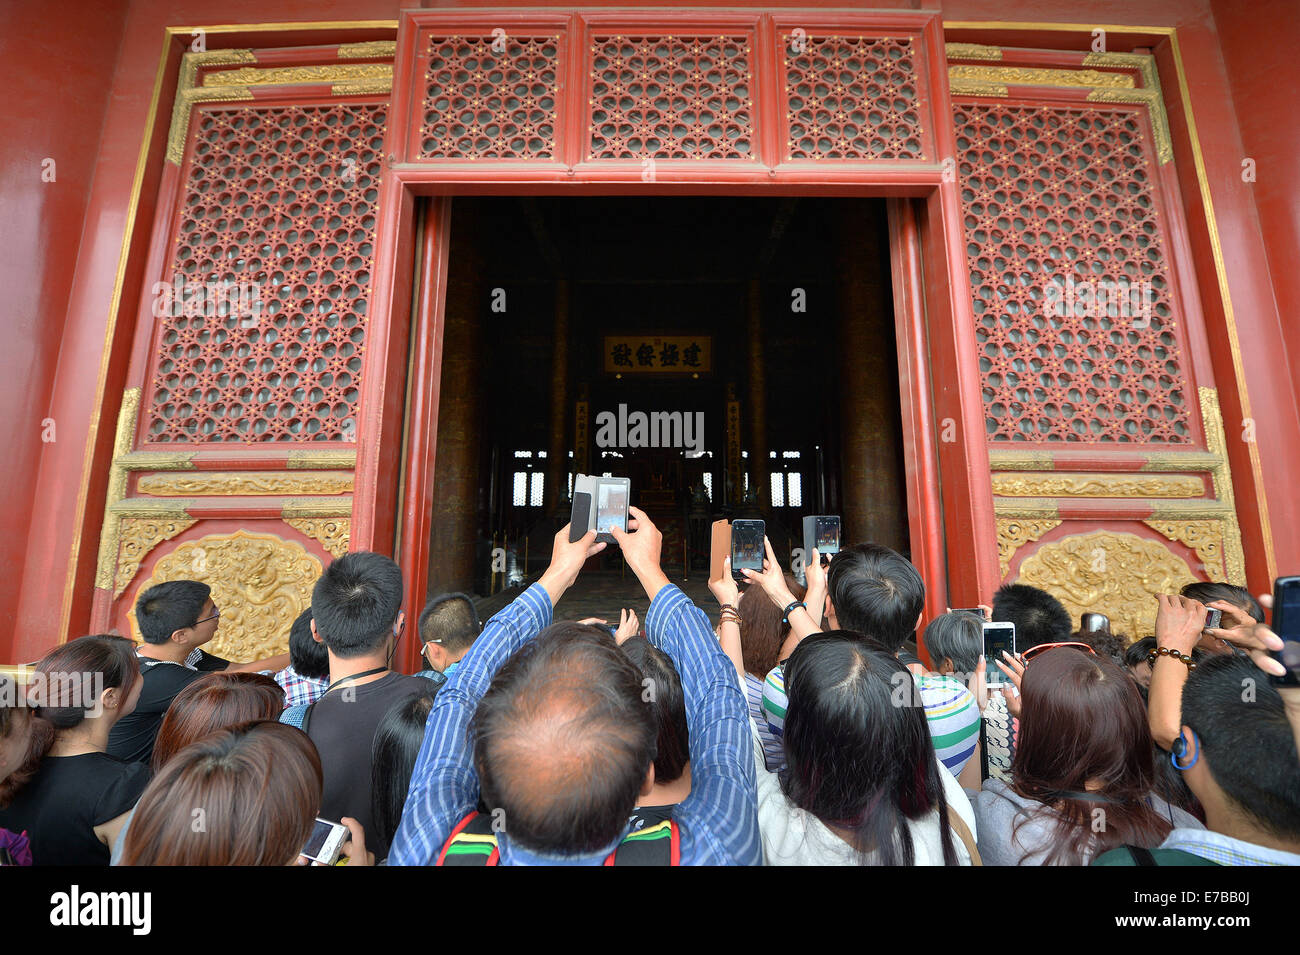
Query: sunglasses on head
point(1032, 652)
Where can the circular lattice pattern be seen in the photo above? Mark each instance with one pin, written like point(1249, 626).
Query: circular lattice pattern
point(262, 318)
point(852, 98)
point(669, 97)
point(1069, 276)
point(490, 97)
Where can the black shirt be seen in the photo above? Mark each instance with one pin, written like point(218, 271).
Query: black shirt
point(343, 729)
point(70, 795)
point(133, 736)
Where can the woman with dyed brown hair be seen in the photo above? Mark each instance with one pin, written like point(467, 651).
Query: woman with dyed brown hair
point(1082, 775)
point(214, 702)
point(247, 795)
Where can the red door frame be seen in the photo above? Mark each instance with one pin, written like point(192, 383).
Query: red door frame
point(943, 425)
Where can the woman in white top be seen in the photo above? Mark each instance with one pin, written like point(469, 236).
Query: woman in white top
point(863, 785)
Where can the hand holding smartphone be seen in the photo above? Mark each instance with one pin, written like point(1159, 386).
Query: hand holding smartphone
point(997, 638)
point(746, 548)
point(1286, 624)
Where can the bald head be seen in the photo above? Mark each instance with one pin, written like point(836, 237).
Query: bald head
point(563, 741)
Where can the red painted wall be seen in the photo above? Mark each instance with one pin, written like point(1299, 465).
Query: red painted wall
point(1258, 44)
point(55, 342)
point(56, 94)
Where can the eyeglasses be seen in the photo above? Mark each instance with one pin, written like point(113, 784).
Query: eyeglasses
point(212, 616)
point(1035, 651)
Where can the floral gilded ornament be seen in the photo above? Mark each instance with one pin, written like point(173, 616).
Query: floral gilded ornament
point(260, 583)
point(1108, 572)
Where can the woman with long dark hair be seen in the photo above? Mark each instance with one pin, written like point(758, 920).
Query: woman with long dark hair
point(862, 783)
point(78, 797)
point(1082, 775)
point(397, 744)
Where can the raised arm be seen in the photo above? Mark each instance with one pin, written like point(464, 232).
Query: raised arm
point(719, 820)
point(444, 785)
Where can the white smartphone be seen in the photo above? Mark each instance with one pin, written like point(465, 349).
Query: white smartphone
point(997, 637)
point(325, 842)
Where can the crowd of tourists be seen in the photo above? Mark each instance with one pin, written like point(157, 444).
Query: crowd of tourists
point(803, 729)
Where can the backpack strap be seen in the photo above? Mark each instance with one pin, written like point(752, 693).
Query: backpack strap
point(306, 715)
point(471, 843)
point(1141, 856)
point(659, 844)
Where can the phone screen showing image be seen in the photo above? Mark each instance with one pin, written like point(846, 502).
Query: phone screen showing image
point(316, 841)
point(997, 637)
point(611, 507)
point(828, 536)
point(747, 545)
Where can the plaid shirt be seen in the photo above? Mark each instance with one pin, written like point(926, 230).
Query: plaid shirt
point(1226, 850)
point(299, 690)
point(718, 821)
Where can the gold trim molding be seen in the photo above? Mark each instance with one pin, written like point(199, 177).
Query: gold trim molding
point(1040, 76)
point(1014, 533)
point(1205, 537)
point(288, 75)
point(367, 50)
point(1234, 557)
point(138, 536)
point(1097, 485)
point(320, 460)
point(980, 79)
point(972, 51)
point(108, 534)
point(315, 507)
point(247, 483)
point(346, 79)
point(332, 532)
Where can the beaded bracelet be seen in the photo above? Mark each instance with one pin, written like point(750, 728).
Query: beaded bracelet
point(795, 605)
point(1174, 654)
point(729, 615)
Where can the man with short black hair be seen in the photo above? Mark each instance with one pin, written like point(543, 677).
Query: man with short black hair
point(307, 675)
point(1039, 617)
point(449, 625)
point(563, 742)
point(176, 618)
point(1237, 754)
point(357, 614)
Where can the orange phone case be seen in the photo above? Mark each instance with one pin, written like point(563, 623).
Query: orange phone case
point(719, 550)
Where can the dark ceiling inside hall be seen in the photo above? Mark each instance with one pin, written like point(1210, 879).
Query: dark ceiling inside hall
point(654, 239)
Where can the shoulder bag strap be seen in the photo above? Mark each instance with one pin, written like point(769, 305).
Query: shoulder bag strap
point(963, 832)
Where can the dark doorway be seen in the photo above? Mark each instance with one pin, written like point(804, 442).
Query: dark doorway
point(767, 322)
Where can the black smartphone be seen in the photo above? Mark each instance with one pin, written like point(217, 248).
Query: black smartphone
point(746, 547)
point(1286, 624)
point(997, 637)
point(821, 531)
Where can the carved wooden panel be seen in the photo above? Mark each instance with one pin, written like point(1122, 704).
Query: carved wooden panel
point(263, 323)
point(260, 583)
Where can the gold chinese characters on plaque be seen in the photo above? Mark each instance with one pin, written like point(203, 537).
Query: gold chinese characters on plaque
point(658, 354)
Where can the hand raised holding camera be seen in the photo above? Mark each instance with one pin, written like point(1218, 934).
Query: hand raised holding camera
point(641, 547)
point(1179, 621)
point(567, 558)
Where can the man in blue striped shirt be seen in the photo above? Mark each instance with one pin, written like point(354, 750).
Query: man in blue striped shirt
point(718, 822)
